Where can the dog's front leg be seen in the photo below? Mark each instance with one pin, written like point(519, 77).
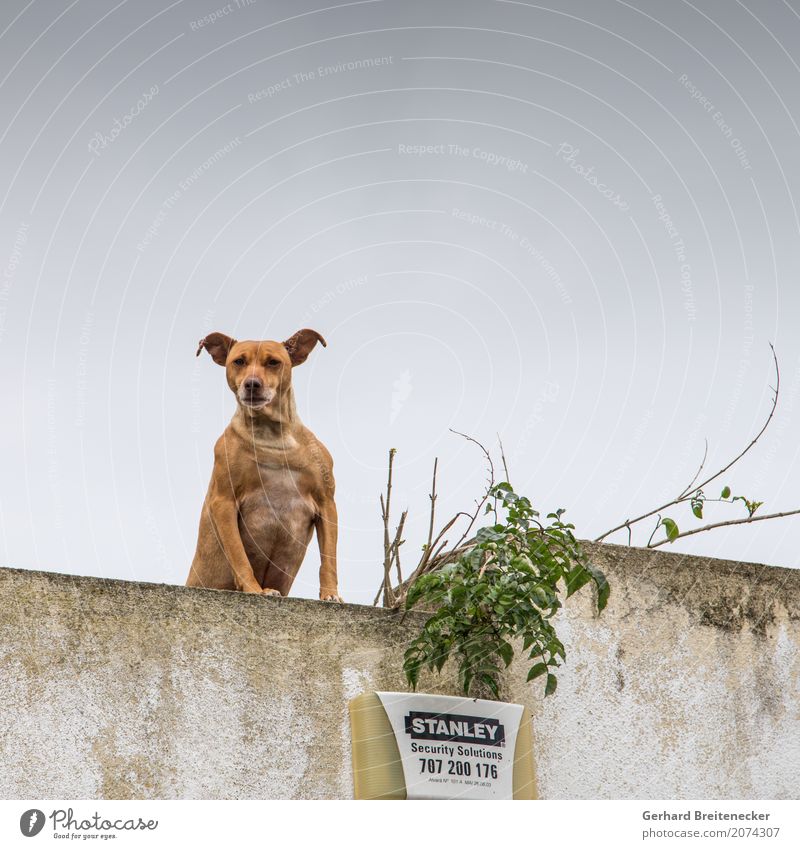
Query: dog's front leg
point(225, 519)
point(327, 524)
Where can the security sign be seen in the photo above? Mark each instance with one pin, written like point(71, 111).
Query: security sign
point(417, 746)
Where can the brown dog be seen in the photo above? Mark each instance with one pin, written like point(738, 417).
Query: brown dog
point(272, 481)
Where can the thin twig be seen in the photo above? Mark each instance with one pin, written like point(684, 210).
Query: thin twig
point(387, 545)
point(722, 471)
point(427, 554)
point(432, 497)
point(482, 447)
point(503, 457)
point(438, 559)
point(482, 501)
point(658, 525)
point(746, 520)
point(697, 473)
point(398, 541)
point(435, 553)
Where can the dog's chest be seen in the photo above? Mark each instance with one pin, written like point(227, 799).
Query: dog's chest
point(276, 501)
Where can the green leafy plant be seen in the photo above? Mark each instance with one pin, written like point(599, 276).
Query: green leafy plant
point(505, 588)
point(503, 585)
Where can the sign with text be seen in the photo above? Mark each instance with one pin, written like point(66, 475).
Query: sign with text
point(421, 746)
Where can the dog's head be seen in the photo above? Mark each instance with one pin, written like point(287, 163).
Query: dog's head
point(258, 373)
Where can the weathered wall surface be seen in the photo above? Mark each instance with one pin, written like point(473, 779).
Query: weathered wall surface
point(687, 686)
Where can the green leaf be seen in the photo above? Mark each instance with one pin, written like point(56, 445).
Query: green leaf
point(441, 659)
point(671, 529)
point(412, 674)
point(752, 506)
point(603, 587)
point(491, 683)
point(726, 492)
point(577, 578)
point(551, 685)
point(416, 591)
point(506, 652)
point(536, 670)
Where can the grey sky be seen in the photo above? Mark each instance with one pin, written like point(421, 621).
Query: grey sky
point(573, 225)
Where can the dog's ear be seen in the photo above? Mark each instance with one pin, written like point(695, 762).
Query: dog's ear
point(218, 345)
point(301, 344)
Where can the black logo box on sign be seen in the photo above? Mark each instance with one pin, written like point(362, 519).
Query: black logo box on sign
point(455, 728)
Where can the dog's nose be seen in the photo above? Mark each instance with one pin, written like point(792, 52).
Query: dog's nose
point(252, 384)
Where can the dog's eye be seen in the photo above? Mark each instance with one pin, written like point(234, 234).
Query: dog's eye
point(273, 362)
point(239, 361)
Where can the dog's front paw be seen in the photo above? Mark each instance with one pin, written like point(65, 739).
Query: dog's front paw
point(271, 592)
point(325, 595)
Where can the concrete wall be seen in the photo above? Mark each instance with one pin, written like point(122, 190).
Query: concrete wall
point(687, 686)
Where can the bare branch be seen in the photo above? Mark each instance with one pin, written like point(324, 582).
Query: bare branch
point(435, 553)
point(696, 474)
point(503, 457)
point(722, 471)
point(398, 541)
point(744, 521)
point(755, 439)
point(482, 501)
point(658, 525)
point(427, 554)
point(432, 497)
point(482, 447)
point(387, 543)
point(438, 559)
